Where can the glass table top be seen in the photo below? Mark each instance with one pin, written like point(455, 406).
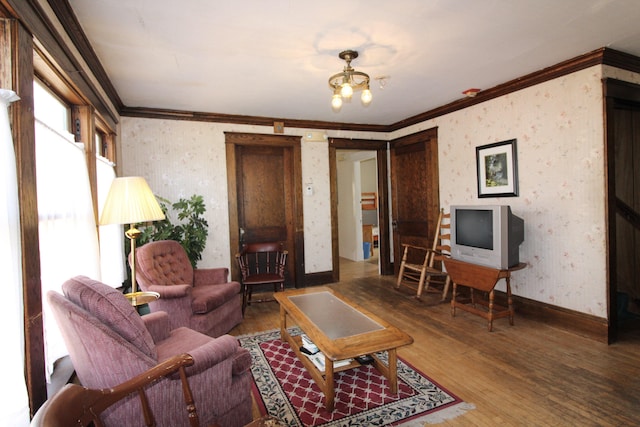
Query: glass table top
point(334, 317)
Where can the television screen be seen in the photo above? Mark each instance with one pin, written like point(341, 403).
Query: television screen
point(488, 235)
point(474, 228)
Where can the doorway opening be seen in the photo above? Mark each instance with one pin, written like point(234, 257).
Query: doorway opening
point(358, 225)
point(381, 159)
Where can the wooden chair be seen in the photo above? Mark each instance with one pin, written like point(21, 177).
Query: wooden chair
point(75, 405)
point(421, 268)
point(261, 264)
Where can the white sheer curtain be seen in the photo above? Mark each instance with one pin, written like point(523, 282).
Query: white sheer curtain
point(68, 234)
point(111, 236)
point(14, 406)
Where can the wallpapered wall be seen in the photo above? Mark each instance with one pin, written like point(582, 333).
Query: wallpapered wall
point(182, 158)
point(559, 130)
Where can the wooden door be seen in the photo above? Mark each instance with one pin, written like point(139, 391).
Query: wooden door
point(415, 197)
point(627, 191)
point(623, 203)
point(624, 132)
point(264, 196)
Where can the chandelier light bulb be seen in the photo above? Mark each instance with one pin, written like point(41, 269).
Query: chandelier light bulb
point(346, 90)
point(345, 83)
point(366, 97)
point(336, 102)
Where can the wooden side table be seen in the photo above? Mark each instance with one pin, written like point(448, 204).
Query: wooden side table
point(483, 279)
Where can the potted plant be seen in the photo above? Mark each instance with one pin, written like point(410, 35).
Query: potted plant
point(191, 232)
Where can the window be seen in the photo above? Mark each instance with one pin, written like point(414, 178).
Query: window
point(49, 109)
point(101, 145)
point(66, 207)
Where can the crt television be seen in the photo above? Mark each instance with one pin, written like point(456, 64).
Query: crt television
point(488, 235)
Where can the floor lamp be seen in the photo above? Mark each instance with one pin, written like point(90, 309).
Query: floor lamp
point(131, 201)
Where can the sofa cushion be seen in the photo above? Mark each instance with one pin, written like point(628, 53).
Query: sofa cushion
point(208, 298)
point(111, 308)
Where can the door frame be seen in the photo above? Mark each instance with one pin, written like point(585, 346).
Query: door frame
point(380, 147)
point(234, 139)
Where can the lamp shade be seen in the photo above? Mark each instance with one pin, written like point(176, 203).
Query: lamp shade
point(130, 201)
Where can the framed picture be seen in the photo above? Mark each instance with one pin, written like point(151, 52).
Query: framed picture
point(497, 169)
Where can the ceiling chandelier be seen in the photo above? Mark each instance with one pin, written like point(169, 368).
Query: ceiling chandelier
point(348, 81)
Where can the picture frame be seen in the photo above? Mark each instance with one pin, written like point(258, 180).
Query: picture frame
point(497, 169)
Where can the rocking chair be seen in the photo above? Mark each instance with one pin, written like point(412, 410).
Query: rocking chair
point(421, 268)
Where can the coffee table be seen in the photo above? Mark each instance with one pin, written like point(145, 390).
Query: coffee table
point(341, 330)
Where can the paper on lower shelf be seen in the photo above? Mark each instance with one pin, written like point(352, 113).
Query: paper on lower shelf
point(308, 344)
point(318, 360)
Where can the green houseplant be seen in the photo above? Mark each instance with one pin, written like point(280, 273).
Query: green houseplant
point(190, 231)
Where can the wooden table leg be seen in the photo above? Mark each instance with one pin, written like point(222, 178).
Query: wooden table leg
point(329, 392)
point(283, 322)
point(453, 299)
point(490, 313)
point(393, 370)
point(509, 300)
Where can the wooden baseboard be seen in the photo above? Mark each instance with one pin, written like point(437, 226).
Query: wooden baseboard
point(317, 279)
point(582, 324)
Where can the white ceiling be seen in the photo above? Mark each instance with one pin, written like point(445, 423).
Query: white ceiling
point(273, 58)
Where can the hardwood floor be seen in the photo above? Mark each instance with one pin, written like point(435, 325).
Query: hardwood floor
point(527, 374)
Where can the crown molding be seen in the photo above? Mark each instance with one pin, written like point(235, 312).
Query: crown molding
point(154, 113)
point(563, 68)
point(31, 13)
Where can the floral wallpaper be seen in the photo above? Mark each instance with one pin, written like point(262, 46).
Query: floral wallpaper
point(182, 158)
point(316, 206)
point(560, 141)
point(559, 130)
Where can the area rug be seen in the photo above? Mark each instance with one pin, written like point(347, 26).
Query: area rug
point(284, 389)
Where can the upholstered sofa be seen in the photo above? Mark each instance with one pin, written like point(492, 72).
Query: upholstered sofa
point(110, 343)
point(200, 299)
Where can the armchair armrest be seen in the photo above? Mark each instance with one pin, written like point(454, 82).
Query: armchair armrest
point(212, 353)
point(210, 276)
point(173, 291)
point(157, 324)
point(241, 361)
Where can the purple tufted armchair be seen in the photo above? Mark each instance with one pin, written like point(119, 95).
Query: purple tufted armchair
point(109, 343)
point(200, 299)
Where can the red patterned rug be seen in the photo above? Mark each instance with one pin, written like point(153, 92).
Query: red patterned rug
point(284, 389)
